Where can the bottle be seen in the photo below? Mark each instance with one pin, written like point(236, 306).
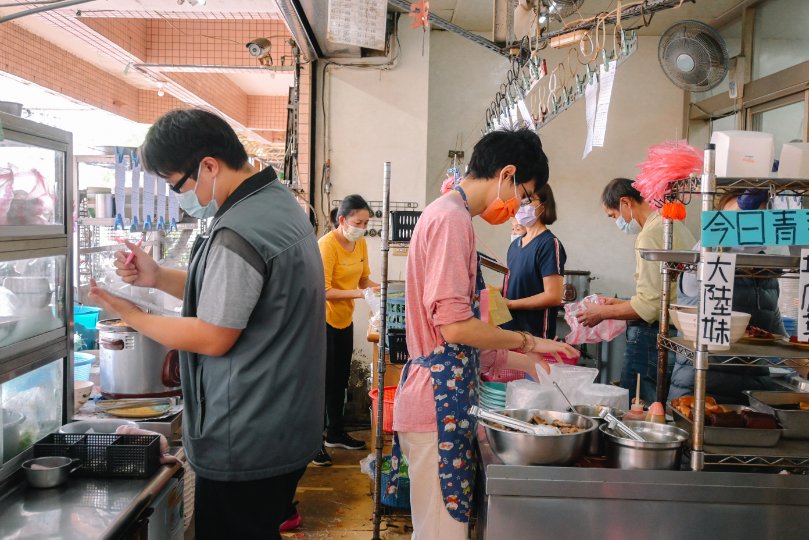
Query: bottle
point(657, 413)
point(635, 414)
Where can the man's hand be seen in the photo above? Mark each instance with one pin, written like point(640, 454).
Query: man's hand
point(591, 315)
point(111, 303)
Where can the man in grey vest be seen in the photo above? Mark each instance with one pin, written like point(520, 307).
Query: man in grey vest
point(252, 331)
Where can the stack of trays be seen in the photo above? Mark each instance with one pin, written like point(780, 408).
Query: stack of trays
point(492, 395)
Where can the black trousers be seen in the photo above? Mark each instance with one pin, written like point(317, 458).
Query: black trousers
point(252, 510)
point(339, 349)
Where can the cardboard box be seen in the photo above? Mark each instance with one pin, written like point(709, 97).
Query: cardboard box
point(743, 154)
point(794, 161)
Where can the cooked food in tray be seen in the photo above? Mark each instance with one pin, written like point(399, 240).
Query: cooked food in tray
point(754, 333)
point(537, 420)
point(725, 416)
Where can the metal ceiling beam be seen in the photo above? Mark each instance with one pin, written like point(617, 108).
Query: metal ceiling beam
point(444, 24)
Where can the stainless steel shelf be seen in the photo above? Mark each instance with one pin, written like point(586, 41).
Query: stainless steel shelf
point(692, 185)
point(752, 260)
point(788, 453)
point(740, 354)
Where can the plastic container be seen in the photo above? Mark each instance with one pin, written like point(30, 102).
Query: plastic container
point(387, 406)
point(402, 225)
point(635, 414)
point(85, 319)
point(400, 499)
point(395, 311)
point(396, 342)
point(82, 362)
point(122, 456)
point(657, 413)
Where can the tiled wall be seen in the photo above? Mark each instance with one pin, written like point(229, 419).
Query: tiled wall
point(34, 59)
point(128, 34)
point(218, 90)
point(151, 106)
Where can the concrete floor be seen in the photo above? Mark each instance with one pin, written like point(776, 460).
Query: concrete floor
point(336, 502)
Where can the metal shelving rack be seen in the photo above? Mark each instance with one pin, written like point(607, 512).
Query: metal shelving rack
point(788, 453)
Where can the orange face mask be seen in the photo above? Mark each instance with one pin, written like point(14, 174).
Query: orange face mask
point(500, 211)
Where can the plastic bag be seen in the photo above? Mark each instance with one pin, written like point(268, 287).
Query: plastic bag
point(373, 302)
point(493, 306)
point(25, 198)
point(571, 379)
point(606, 395)
point(525, 394)
point(604, 331)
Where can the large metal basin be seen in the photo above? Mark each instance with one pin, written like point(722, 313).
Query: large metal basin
point(515, 448)
point(662, 449)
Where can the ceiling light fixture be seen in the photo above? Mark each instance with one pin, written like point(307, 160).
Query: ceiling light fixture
point(160, 91)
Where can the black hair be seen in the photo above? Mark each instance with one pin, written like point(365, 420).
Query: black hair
point(616, 190)
point(333, 218)
point(351, 204)
point(548, 214)
point(179, 139)
point(521, 148)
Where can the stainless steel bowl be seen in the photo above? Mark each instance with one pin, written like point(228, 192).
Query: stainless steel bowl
point(595, 442)
point(48, 472)
point(515, 448)
point(662, 449)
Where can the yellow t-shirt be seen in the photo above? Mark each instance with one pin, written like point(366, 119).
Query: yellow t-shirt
point(343, 270)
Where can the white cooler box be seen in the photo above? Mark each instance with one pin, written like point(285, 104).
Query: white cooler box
point(743, 154)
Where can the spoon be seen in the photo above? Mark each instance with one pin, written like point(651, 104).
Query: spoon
point(569, 404)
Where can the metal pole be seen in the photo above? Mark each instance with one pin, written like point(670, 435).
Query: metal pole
point(665, 299)
point(380, 363)
point(707, 189)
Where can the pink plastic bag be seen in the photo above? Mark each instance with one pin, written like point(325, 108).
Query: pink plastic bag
point(604, 331)
point(25, 198)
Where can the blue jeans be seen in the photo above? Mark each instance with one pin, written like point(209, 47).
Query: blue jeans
point(641, 357)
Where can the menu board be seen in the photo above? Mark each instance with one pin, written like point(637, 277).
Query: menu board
point(716, 299)
point(358, 22)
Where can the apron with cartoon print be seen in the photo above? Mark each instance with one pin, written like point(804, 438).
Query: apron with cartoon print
point(454, 374)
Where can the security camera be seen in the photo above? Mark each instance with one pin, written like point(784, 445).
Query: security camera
point(259, 47)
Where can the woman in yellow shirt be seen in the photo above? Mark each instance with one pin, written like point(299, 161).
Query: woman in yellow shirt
point(345, 265)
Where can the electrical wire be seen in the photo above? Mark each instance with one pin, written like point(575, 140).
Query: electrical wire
point(23, 4)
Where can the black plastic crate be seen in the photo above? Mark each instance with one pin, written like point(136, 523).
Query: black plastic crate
point(396, 342)
point(402, 224)
point(110, 455)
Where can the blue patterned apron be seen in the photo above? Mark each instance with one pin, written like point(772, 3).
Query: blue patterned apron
point(454, 373)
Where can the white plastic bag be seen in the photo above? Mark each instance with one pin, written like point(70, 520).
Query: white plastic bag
point(525, 394)
point(606, 395)
point(606, 330)
point(373, 302)
point(570, 379)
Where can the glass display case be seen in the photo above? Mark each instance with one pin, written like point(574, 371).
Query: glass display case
point(36, 315)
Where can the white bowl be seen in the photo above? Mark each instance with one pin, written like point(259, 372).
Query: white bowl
point(686, 324)
point(81, 393)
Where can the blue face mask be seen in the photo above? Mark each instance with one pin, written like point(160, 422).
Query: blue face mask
point(189, 201)
point(628, 227)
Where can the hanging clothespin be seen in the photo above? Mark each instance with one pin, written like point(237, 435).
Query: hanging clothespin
point(605, 60)
point(134, 225)
point(119, 223)
point(147, 224)
point(120, 153)
point(134, 158)
point(580, 83)
point(565, 96)
point(173, 225)
point(161, 223)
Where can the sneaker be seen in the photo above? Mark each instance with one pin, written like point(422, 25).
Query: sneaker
point(344, 440)
point(292, 522)
point(322, 459)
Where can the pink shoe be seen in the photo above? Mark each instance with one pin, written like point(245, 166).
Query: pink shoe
point(292, 523)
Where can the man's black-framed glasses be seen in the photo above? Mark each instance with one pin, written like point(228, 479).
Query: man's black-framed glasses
point(179, 185)
point(529, 198)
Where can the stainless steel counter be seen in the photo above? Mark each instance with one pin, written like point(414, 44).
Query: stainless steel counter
point(81, 509)
point(571, 503)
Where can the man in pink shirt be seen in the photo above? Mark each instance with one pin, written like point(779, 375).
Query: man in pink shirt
point(447, 342)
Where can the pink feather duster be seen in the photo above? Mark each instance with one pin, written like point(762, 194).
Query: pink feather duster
point(665, 163)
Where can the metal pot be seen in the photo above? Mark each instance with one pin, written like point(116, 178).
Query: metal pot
point(576, 285)
point(131, 364)
point(663, 448)
point(48, 472)
point(595, 443)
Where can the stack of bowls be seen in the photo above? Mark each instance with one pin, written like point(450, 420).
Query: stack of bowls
point(492, 395)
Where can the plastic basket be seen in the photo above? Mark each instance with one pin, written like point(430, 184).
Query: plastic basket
point(387, 406)
point(400, 499)
point(402, 224)
point(396, 342)
point(395, 311)
point(109, 455)
point(85, 319)
point(81, 366)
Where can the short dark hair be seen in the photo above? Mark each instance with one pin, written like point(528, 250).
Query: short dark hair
point(351, 204)
point(616, 190)
point(179, 139)
point(545, 195)
point(333, 217)
point(521, 148)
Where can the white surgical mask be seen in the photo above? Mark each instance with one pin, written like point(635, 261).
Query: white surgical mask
point(189, 201)
point(526, 215)
point(628, 227)
point(515, 237)
point(353, 233)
